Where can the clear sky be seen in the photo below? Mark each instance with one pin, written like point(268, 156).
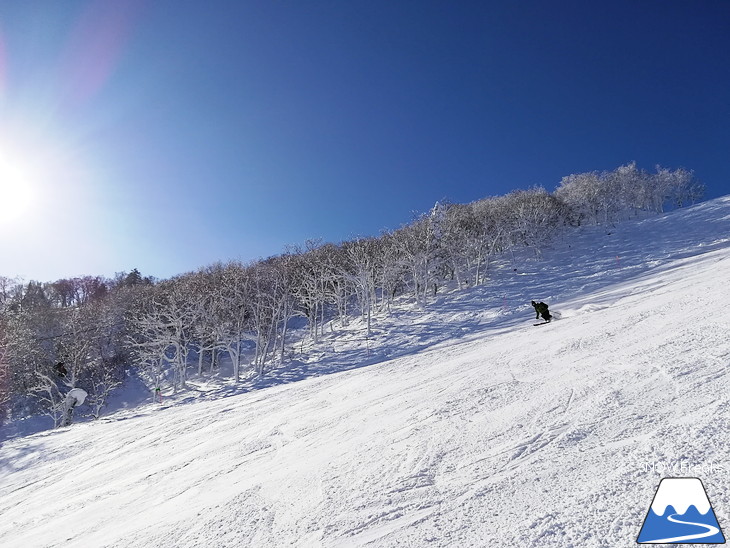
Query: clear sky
point(169, 134)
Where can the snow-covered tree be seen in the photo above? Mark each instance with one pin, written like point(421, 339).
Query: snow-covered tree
point(679, 187)
point(610, 196)
point(390, 269)
point(360, 270)
point(417, 245)
point(236, 304)
point(534, 217)
point(312, 272)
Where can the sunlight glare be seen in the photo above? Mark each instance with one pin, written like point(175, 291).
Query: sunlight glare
point(16, 190)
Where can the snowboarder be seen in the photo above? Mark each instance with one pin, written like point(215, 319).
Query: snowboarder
point(541, 309)
point(76, 396)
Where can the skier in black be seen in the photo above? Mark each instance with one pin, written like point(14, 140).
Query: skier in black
point(541, 309)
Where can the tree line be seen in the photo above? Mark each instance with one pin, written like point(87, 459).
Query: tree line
point(88, 331)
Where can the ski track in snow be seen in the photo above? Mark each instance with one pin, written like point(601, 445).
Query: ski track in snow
point(468, 427)
point(711, 530)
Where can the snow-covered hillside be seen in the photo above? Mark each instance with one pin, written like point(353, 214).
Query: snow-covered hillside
point(470, 427)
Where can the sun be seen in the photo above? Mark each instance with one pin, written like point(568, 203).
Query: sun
point(16, 190)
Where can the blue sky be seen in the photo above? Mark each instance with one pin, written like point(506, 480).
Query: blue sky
point(167, 135)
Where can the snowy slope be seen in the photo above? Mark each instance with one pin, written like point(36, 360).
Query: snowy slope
point(482, 430)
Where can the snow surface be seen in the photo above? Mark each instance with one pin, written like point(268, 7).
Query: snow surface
point(461, 426)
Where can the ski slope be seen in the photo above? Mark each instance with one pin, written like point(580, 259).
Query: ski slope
point(467, 427)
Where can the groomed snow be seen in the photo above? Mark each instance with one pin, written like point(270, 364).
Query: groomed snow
point(483, 431)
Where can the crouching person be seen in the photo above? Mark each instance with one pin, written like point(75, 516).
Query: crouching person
point(541, 309)
point(75, 397)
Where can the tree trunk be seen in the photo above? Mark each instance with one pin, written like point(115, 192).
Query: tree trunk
point(283, 336)
point(369, 317)
point(201, 351)
point(237, 362)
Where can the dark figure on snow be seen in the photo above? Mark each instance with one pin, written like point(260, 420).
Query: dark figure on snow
point(541, 309)
point(61, 369)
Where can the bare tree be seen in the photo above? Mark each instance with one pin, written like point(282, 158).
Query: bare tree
point(416, 243)
point(236, 303)
point(360, 272)
point(309, 285)
point(391, 270)
point(160, 332)
point(534, 216)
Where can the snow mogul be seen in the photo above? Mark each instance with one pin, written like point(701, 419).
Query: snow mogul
point(541, 309)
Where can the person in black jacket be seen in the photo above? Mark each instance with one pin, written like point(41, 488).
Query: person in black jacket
point(61, 369)
point(541, 309)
